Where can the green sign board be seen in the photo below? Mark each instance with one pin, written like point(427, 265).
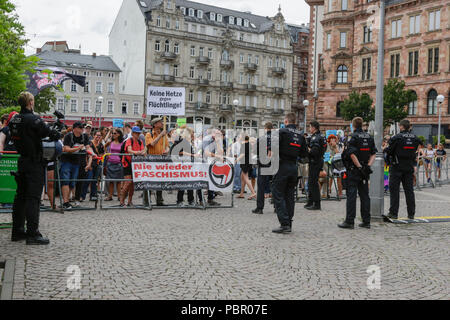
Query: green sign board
point(181, 121)
point(8, 184)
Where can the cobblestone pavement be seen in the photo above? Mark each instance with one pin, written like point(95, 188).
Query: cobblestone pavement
point(232, 254)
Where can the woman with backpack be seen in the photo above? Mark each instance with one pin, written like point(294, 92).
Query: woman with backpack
point(135, 147)
point(114, 170)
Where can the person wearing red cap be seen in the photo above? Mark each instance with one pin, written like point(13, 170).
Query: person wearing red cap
point(6, 143)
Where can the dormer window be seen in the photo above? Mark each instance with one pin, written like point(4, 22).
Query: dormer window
point(212, 16)
point(219, 17)
point(191, 13)
point(183, 9)
point(246, 23)
point(239, 21)
point(200, 14)
point(231, 20)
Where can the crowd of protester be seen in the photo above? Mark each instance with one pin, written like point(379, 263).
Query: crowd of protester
point(85, 148)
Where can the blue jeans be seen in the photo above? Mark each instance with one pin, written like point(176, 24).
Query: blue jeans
point(69, 171)
point(92, 174)
point(237, 178)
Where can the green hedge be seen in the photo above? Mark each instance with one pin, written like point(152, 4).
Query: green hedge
point(8, 110)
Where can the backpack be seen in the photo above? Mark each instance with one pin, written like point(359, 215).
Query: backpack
point(126, 160)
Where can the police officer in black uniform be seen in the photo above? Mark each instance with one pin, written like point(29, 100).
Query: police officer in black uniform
point(292, 145)
point(316, 146)
point(401, 154)
point(359, 156)
point(27, 132)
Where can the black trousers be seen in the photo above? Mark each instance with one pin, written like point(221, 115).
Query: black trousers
point(283, 191)
point(82, 174)
point(30, 182)
point(406, 177)
point(357, 186)
point(260, 193)
point(313, 182)
point(190, 195)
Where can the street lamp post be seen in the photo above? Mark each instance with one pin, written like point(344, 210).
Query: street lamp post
point(377, 181)
point(100, 99)
point(440, 100)
point(236, 103)
point(305, 105)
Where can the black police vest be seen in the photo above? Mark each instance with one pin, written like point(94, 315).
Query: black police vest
point(318, 141)
point(363, 143)
point(291, 144)
point(406, 146)
point(27, 143)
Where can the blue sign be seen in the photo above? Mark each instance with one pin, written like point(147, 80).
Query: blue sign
point(329, 132)
point(118, 123)
point(326, 157)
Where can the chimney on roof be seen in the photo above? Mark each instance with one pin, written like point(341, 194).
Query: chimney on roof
point(38, 50)
point(94, 55)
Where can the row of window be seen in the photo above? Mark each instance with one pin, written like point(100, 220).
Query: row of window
point(212, 16)
point(396, 29)
point(98, 74)
point(395, 61)
point(343, 3)
point(227, 99)
point(86, 106)
point(87, 88)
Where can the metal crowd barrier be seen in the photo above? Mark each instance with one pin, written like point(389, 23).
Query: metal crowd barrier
point(424, 173)
point(441, 171)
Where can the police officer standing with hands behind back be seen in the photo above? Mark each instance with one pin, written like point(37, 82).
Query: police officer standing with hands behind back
point(401, 155)
point(292, 145)
point(316, 146)
point(27, 132)
point(358, 156)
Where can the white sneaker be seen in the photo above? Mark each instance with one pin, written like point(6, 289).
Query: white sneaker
point(76, 204)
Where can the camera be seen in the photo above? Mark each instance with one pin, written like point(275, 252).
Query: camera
point(51, 148)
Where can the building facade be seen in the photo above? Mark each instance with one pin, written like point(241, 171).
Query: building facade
point(300, 43)
point(218, 55)
point(417, 50)
point(99, 101)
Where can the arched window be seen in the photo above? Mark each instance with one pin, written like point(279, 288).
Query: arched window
point(342, 74)
point(338, 109)
point(167, 46)
point(412, 108)
point(432, 102)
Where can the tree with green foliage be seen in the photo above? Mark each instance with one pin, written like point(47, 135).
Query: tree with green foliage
point(396, 100)
point(358, 105)
point(44, 100)
point(13, 61)
point(8, 110)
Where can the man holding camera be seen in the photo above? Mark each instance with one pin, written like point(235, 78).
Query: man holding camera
point(359, 156)
point(27, 132)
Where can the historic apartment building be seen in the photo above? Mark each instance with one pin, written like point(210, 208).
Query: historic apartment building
point(344, 46)
point(300, 43)
point(218, 55)
point(99, 101)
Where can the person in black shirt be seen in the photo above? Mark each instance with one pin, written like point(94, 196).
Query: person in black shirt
point(263, 180)
point(75, 146)
point(6, 143)
point(93, 172)
point(246, 168)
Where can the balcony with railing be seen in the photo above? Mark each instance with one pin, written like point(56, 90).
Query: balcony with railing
point(251, 66)
point(278, 90)
point(249, 109)
point(226, 107)
point(278, 71)
point(168, 78)
point(277, 112)
point(201, 106)
point(226, 85)
point(227, 64)
point(168, 56)
point(203, 60)
point(203, 82)
point(251, 87)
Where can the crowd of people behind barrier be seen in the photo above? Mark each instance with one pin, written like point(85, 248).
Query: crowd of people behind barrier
point(88, 151)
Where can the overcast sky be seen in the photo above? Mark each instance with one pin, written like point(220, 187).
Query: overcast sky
point(88, 22)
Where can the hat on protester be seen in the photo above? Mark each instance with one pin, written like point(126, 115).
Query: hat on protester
point(136, 130)
point(156, 120)
point(88, 125)
point(78, 124)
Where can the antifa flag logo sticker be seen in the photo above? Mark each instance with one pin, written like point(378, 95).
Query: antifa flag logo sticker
point(221, 174)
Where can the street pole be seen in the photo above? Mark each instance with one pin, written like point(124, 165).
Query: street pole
point(440, 99)
point(305, 106)
point(377, 181)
